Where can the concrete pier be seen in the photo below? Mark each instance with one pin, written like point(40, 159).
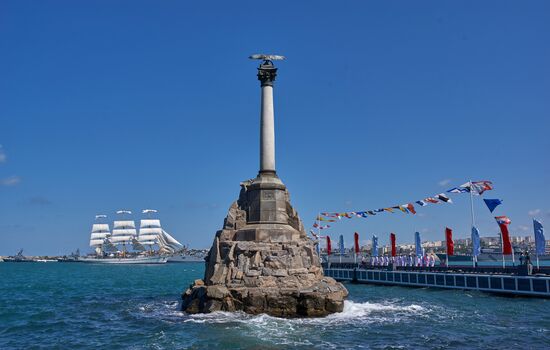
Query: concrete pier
point(502, 283)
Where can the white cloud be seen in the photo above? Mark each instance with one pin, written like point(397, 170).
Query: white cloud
point(444, 182)
point(10, 181)
point(533, 212)
point(3, 156)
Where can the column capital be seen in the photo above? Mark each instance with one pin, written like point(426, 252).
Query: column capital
point(267, 73)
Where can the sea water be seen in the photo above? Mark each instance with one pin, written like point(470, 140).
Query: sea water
point(84, 306)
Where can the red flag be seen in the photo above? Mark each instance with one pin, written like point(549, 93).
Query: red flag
point(410, 206)
point(392, 239)
point(329, 248)
point(506, 245)
point(356, 237)
point(450, 243)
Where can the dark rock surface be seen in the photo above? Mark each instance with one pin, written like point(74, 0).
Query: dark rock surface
point(263, 262)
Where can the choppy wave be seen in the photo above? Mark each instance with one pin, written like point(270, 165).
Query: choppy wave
point(353, 311)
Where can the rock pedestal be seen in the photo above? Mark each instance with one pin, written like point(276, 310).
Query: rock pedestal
point(263, 262)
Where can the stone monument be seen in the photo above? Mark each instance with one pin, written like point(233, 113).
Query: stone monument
point(262, 261)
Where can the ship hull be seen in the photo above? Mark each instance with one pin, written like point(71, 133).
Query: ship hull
point(140, 260)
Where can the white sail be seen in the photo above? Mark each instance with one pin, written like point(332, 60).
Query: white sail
point(100, 228)
point(99, 232)
point(149, 223)
point(99, 235)
point(171, 240)
point(96, 242)
point(147, 238)
point(164, 247)
point(168, 244)
point(124, 224)
point(149, 232)
point(121, 239)
point(123, 231)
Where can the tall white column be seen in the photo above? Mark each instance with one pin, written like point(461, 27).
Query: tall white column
point(267, 131)
point(266, 75)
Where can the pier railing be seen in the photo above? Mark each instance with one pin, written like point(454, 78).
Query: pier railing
point(511, 280)
point(509, 270)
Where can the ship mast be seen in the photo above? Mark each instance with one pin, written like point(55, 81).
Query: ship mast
point(123, 230)
point(100, 232)
point(149, 230)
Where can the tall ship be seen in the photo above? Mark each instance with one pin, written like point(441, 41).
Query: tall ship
point(126, 245)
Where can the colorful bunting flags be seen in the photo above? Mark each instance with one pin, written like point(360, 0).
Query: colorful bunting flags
point(449, 241)
point(374, 245)
point(476, 246)
point(475, 187)
point(503, 223)
point(492, 203)
point(417, 244)
point(478, 187)
point(393, 248)
point(503, 220)
point(444, 198)
point(540, 240)
point(356, 242)
point(458, 190)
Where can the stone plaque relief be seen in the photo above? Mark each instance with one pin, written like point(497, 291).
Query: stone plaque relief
point(268, 195)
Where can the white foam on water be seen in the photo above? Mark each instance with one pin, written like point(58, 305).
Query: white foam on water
point(297, 331)
point(289, 332)
point(352, 312)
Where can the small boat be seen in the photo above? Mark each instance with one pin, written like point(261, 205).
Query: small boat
point(18, 258)
point(73, 257)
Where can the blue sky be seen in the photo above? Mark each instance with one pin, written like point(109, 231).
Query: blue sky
point(144, 104)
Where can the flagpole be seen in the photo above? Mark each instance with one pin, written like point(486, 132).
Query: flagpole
point(446, 250)
point(319, 235)
point(474, 258)
point(502, 243)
